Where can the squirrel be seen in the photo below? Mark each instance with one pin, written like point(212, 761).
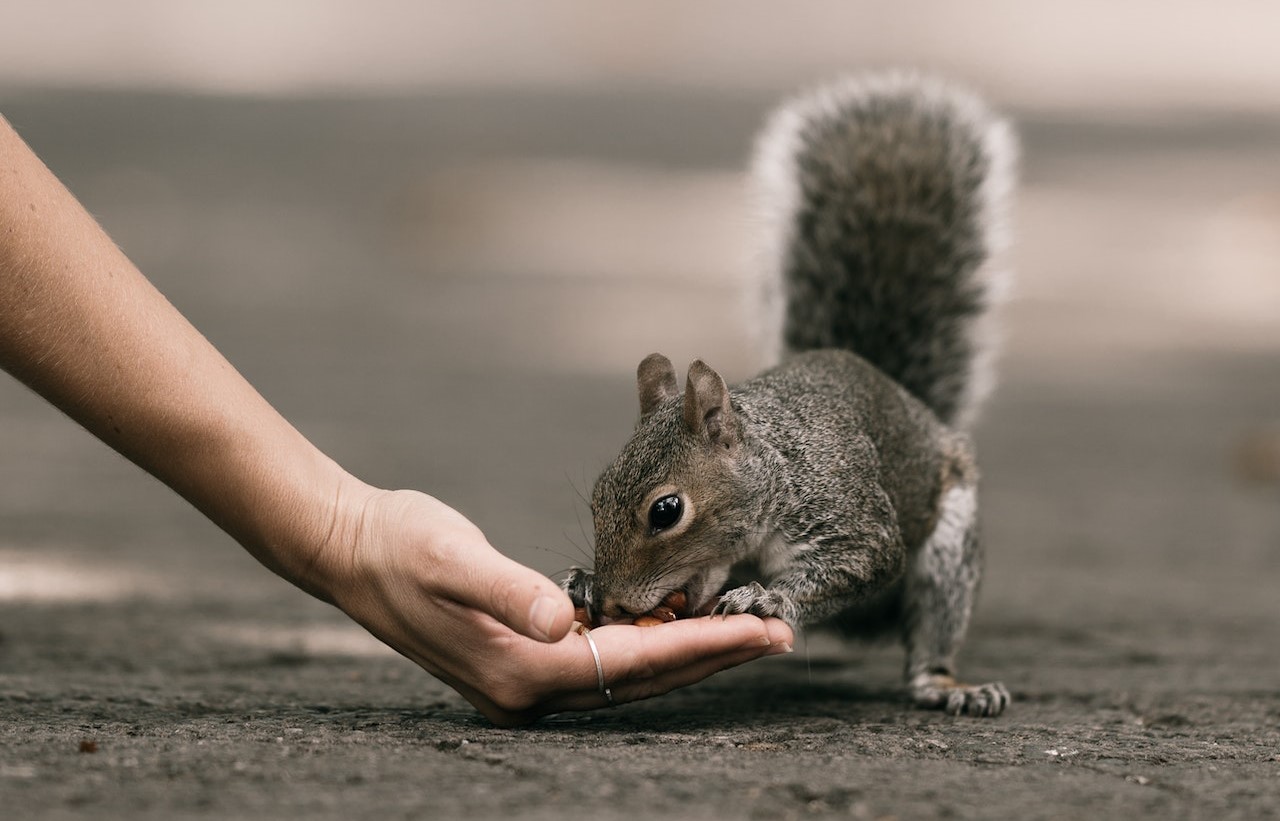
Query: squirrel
point(843, 478)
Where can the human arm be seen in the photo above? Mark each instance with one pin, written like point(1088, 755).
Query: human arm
point(82, 327)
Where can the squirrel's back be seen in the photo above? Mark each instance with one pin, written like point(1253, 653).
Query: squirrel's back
point(886, 202)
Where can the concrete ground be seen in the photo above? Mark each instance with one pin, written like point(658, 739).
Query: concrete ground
point(355, 260)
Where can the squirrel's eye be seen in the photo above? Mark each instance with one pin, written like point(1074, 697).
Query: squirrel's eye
point(664, 513)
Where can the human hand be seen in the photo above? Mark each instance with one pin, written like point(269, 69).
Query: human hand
point(424, 580)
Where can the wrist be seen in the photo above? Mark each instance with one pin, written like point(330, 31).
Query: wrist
point(291, 506)
point(310, 538)
point(332, 555)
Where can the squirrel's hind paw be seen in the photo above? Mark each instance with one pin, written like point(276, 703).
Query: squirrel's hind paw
point(943, 692)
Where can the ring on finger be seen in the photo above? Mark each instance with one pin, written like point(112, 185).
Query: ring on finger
point(595, 654)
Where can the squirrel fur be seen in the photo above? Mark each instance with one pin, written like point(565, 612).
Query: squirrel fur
point(842, 478)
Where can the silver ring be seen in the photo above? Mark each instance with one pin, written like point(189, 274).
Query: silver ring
point(599, 669)
point(595, 654)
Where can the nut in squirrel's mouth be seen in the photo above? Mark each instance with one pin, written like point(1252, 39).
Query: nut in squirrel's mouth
point(674, 606)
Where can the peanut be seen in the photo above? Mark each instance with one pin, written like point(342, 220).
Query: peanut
point(663, 612)
point(669, 610)
point(676, 600)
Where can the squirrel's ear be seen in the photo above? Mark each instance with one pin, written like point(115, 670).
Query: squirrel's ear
point(656, 380)
point(706, 406)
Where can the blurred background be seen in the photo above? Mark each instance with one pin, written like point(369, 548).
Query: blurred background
point(440, 235)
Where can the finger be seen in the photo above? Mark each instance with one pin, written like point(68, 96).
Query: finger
point(628, 652)
point(780, 633)
point(639, 689)
point(521, 598)
point(644, 652)
point(680, 653)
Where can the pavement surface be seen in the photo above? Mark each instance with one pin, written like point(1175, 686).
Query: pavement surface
point(151, 669)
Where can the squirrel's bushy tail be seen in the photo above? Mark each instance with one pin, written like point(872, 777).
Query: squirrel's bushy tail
point(886, 203)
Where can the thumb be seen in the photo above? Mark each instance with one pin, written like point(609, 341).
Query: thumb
point(521, 598)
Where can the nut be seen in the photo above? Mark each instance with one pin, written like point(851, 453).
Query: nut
point(662, 613)
point(667, 611)
point(676, 601)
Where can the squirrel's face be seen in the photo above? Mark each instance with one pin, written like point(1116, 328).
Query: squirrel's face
point(664, 510)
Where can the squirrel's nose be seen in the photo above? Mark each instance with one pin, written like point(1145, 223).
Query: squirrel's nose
point(611, 610)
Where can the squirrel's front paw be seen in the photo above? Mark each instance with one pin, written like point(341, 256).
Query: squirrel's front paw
point(758, 601)
point(578, 585)
point(938, 691)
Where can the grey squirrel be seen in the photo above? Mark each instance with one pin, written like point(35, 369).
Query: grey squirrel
point(842, 477)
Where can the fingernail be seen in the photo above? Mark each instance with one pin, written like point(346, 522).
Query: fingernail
point(542, 613)
point(779, 648)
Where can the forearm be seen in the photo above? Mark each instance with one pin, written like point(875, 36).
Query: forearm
point(82, 327)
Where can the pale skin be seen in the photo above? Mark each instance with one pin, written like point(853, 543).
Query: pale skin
point(83, 328)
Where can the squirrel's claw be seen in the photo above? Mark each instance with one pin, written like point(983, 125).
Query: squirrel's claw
point(757, 600)
point(942, 691)
point(983, 700)
point(578, 585)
